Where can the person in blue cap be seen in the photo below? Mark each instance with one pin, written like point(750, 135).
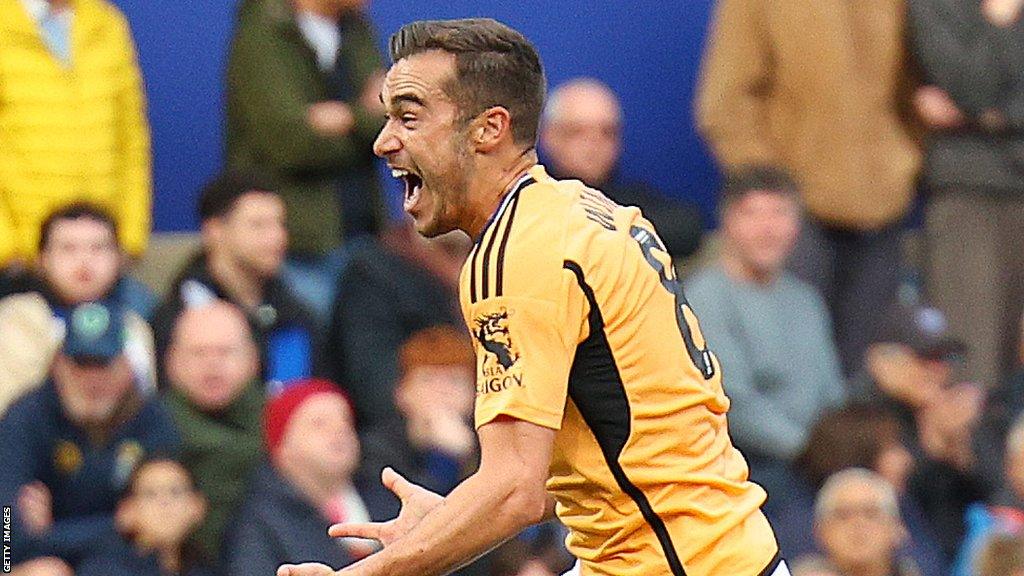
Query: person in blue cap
point(70, 446)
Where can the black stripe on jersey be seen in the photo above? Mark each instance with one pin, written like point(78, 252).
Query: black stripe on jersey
point(500, 264)
point(596, 387)
point(472, 276)
point(512, 198)
point(484, 276)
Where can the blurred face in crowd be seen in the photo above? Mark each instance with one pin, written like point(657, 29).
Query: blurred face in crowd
point(162, 507)
point(252, 234)
point(91, 393)
point(581, 133)
point(857, 528)
point(907, 376)
point(759, 229)
point(320, 440)
point(81, 260)
point(432, 389)
point(425, 141)
point(212, 357)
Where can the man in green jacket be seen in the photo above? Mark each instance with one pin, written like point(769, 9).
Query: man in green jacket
point(303, 104)
point(216, 401)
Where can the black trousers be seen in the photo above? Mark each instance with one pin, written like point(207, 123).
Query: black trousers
point(858, 274)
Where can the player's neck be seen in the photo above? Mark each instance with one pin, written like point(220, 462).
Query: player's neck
point(738, 270)
point(494, 185)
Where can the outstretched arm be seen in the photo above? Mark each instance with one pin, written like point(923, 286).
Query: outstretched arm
point(504, 496)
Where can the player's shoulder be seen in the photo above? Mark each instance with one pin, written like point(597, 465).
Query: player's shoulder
point(521, 249)
point(550, 205)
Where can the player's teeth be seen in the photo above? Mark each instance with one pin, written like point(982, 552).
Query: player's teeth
point(397, 173)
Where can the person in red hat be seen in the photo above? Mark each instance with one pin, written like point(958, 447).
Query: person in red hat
point(309, 480)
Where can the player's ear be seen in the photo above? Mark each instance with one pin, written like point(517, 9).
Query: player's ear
point(491, 128)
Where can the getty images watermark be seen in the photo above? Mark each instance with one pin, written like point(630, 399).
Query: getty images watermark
point(7, 540)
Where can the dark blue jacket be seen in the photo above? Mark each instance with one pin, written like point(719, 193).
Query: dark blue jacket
point(277, 526)
point(85, 477)
point(118, 558)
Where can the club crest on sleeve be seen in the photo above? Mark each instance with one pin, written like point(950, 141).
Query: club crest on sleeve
point(500, 355)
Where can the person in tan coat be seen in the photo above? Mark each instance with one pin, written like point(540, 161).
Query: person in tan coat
point(821, 90)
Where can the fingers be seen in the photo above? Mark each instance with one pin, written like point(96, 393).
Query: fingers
point(398, 484)
point(368, 530)
point(35, 492)
point(308, 569)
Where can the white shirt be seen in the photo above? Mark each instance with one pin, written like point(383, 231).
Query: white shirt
point(55, 27)
point(322, 35)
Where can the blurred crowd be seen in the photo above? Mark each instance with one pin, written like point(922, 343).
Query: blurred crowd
point(218, 425)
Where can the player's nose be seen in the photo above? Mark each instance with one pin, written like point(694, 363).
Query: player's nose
point(387, 142)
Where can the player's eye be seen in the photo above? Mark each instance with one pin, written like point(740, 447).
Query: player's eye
point(408, 120)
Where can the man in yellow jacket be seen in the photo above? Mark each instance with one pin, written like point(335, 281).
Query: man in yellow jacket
point(72, 120)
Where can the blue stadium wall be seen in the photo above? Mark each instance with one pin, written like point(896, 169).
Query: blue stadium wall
point(646, 50)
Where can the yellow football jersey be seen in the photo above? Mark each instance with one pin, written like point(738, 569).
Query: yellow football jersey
point(580, 325)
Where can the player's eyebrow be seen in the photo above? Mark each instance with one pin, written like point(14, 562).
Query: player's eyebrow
point(406, 97)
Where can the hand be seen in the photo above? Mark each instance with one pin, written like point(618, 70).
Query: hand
point(947, 424)
point(417, 502)
point(451, 435)
point(43, 567)
point(1001, 12)
point(36, 508)
point(309, 569)
point(330, 118)
point(937, 109)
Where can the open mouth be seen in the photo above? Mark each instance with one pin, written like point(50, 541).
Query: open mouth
point(413, 185)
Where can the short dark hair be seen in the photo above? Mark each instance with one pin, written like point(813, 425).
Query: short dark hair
point(75, 211)
point(219, 196)
point(849, 437)
point(741, 181)
point(494, 66)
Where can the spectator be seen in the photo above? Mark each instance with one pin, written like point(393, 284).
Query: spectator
point(813, 566)
point(515, 558)
point(857, 524)
point(1004, 513)
point(69, 447)
point(971, 55)
point(244, 242)
point(910, 366)
point(216, 399)
point(823, 95)
point(79, 262)
point(303, 101)
point(1002, 555)
point(1004, 405)
point(436, 447)
point(75, 128)
point(856, 436)
point(581, 135)
point(374, 314)
point(156, 515)
point(307, 484)
point(779, 385)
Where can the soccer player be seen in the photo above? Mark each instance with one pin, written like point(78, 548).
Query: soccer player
point(597, 398)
